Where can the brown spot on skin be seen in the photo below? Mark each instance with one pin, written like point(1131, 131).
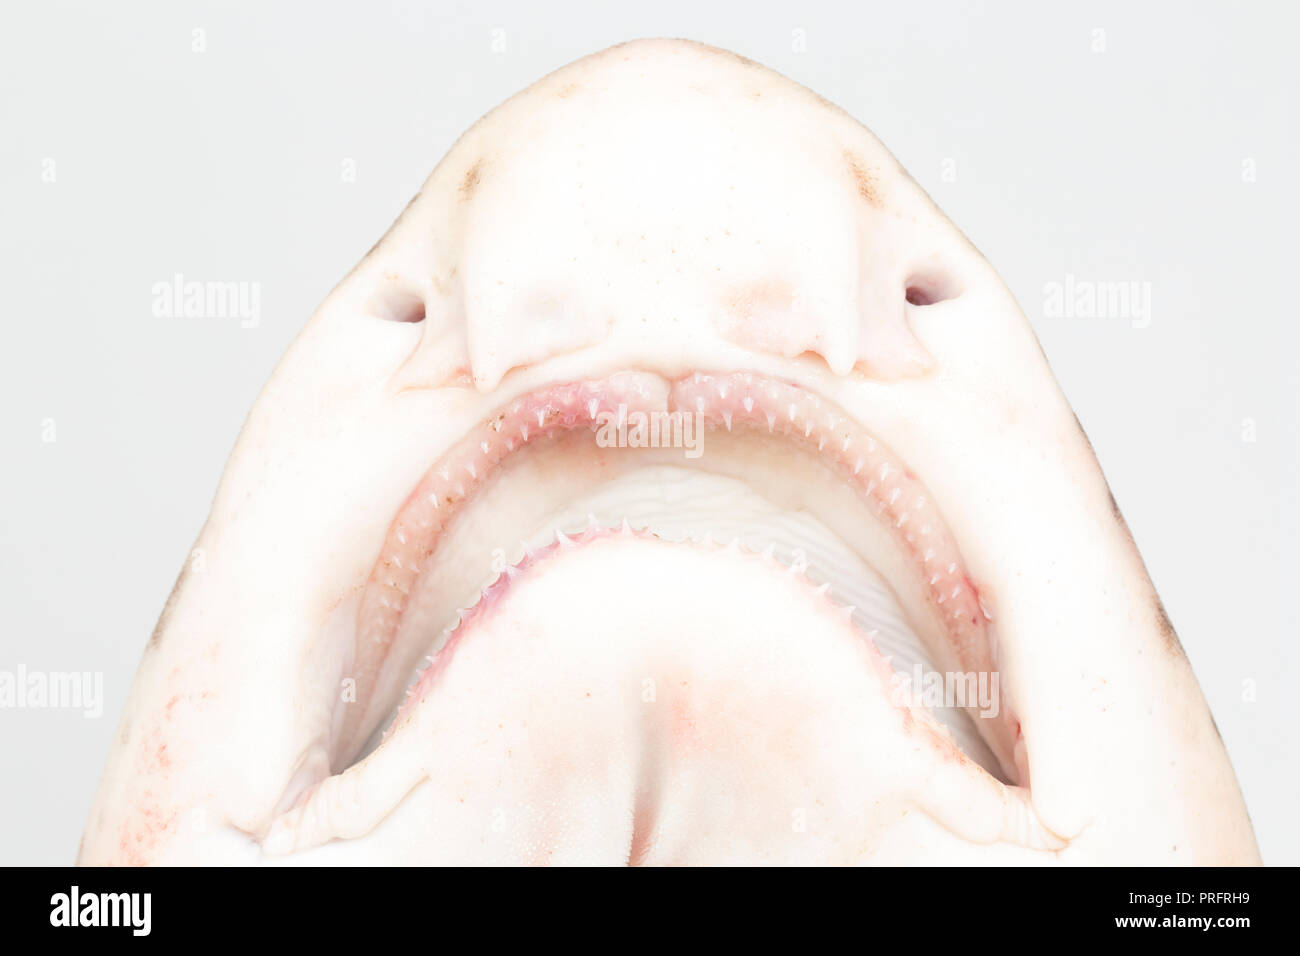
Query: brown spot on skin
point(863, 178)
point(567, 90)
point(471, 180)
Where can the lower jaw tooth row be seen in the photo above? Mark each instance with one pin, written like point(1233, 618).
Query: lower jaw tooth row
point(843, 578)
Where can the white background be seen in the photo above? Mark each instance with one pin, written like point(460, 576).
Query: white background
point(227, 165)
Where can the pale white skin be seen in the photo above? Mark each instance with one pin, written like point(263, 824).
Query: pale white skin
point(610, 218)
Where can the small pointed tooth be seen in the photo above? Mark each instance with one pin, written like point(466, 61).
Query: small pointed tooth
point(473, 473)
point(771, 421)
point(591, 408)
point(807, 430)
point(564, 540)
point(769, 551)
point(748, 402)
point(627, 526)
point(541, 417)
point(726, 419)
point(592, 523)
point(823, 588)
point(848, 610)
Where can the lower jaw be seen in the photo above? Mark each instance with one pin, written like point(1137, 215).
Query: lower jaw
point(773, 466)
point(576, 716)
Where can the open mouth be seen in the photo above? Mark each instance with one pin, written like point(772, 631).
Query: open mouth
point(733, 457)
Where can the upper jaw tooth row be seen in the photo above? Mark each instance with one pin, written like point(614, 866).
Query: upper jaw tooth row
point(725, 400)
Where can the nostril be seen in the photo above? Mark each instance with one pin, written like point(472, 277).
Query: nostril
point(398, 307)
point(930, 289)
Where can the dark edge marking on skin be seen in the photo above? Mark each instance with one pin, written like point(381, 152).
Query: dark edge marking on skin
point(1166, 626)
point(155, 639)
point(1167, 629)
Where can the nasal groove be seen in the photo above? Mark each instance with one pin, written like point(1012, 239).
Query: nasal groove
point(398, 307)
point(930, 288)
